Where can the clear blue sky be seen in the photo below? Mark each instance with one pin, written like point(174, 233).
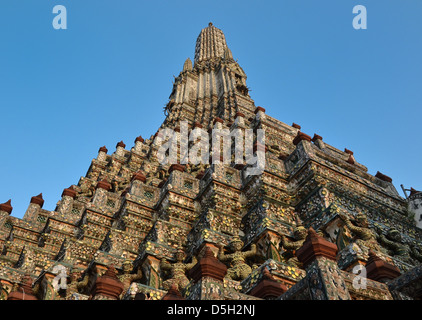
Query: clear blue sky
point(65, 93)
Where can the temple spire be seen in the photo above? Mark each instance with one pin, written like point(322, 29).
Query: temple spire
point(211, 43)
point(187, 65)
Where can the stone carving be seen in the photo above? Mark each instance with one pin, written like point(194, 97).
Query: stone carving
point(74, 286)
point(86, 190)
point(127, 277)
point(396, 247)
point(360, 227)
point(299, 233)
point(177, 271)
point(239, 269)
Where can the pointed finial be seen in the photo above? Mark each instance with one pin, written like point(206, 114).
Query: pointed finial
point(312, 234)
point(351, 159)
point(140, 139)
point(7, 206)
point(111, 272)
point(208, 253)
point(121, 144)
point(103, 149)
point(210, 44)
point(38, 200)
point(187, 66)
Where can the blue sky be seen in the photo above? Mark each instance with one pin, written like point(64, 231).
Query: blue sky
point(65, 93)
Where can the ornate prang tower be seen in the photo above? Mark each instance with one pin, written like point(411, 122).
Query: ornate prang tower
point(215, 86)
point(309, 227)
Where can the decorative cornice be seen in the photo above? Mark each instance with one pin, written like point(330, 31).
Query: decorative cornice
point(177, 167)
point(268, 287)
point(173, 294)
point(316, 137)
point(258, 109)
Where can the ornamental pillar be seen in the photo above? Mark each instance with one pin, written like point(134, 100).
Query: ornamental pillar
point(66, 204)
point(100, 195)
point(35, 205)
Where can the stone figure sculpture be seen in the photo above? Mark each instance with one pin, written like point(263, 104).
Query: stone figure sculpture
point(239, 269)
